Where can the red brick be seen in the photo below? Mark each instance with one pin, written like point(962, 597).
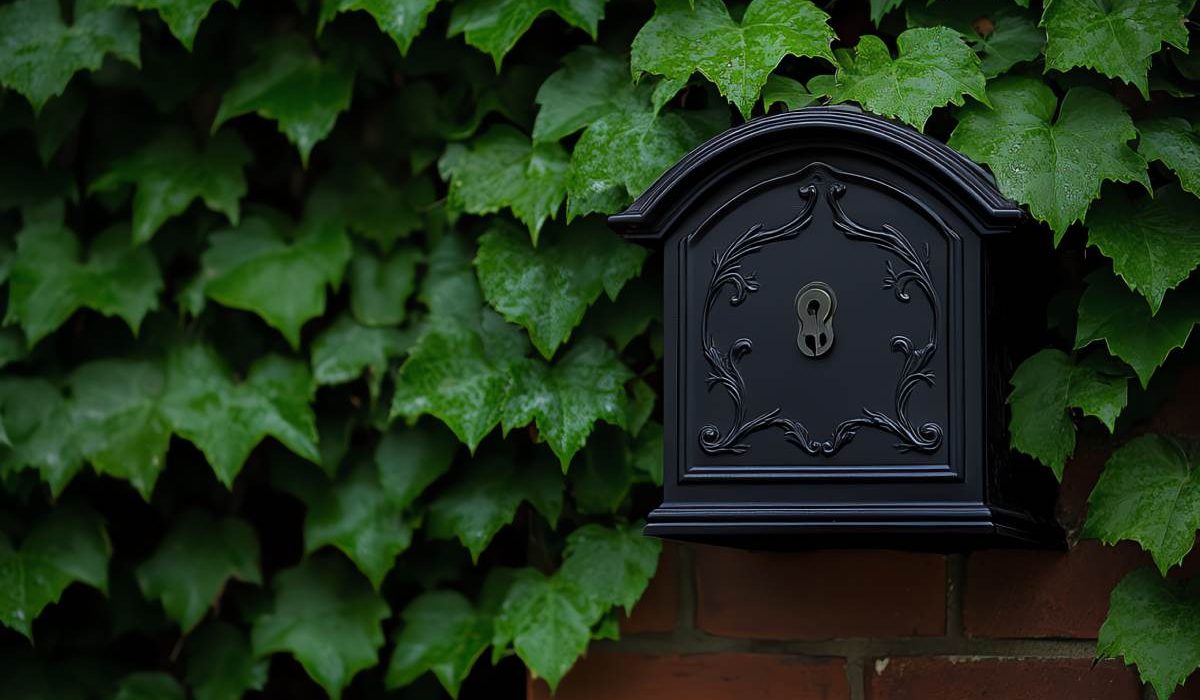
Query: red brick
point(959, 678)
point(820, 595)
point(1022, 593)
point(1178, 414)
point(658, 610)
point(1079, 478)
point(615, 676)
point(1189, 690)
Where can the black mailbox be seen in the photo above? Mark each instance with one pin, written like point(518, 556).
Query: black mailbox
point(835, 353)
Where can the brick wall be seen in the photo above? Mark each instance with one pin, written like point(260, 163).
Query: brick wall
point(724, 624)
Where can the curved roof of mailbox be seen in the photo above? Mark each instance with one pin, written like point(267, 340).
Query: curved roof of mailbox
point(650, 214)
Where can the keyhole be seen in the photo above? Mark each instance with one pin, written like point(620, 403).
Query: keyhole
point(815, 306)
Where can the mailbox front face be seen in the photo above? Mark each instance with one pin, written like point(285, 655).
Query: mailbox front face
point(827, 367)
point(824, 310)
point(818, 323)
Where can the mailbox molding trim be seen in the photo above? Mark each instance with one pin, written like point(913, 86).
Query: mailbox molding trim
point(826, 184)
point(650, 215)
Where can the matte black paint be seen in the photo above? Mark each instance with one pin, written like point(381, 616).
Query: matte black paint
point(895, 434)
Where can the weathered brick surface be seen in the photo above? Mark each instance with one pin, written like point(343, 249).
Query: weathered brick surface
point(658, 609)
point(617, 676)
point(1039, 594)
point(1079, 478)
point(820, 595)
point(956, 678)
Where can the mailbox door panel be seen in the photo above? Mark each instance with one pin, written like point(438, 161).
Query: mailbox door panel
point(820, 316)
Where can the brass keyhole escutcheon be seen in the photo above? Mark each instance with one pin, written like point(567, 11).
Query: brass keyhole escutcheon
point(815, 305)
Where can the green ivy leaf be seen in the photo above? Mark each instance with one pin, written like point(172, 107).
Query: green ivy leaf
point(1046, 387)
point(602, 473)
point(1151, 624)
point(293, 87)
point(328, 617)
point(610, 566)
point(170, 173)
point(493, 26)
point(359, 198)
point(1149, 492)
point(548, 620)
point(791, 93)
point(647, 456)
point(259, 267)
point(686, 36)
point(627, 143)
point(591, 84)
point(623, 153)
point(226, 419)
point(402, 20)
point(1109, 311)
point(630, 316)
point(1154, 242)
point(547, 289)
point(409, 460)
point(442, 633)
point(58, 119)
point(50, 279)
point(66, 546)
point(460, 369)
point(381, 285)
point(934, 68)
point(1054, 165)
point(150, 685)
point(1116, 38)
point(119, 424)
point(39, 52)
point(1175, 143)
point(12, 346)
point(481, 502)
point(503, 169)
point(880, 9)
point(567, 398)
point(345, 350)
point(183, 17)
point(220, 665)
point(357, 516)
point(188, 571)
point(1001, 33)
point(454, 374)
point(38, 426)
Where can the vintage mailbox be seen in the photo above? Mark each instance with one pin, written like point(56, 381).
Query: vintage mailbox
point(836, 350)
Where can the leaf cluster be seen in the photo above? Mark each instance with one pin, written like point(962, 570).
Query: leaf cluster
point(322, 375)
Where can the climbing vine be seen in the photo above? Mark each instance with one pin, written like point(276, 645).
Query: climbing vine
point(322, 375)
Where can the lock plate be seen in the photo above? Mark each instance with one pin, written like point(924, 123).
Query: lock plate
point(815, 305)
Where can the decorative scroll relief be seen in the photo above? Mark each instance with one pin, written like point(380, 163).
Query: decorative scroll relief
point(908, 270)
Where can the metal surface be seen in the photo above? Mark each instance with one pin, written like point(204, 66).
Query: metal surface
point(828, 305)
point(816, 304)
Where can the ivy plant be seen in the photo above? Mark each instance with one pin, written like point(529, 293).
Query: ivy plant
point(321, 376)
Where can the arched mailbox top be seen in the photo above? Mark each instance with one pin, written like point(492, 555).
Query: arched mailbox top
point(837, 127)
